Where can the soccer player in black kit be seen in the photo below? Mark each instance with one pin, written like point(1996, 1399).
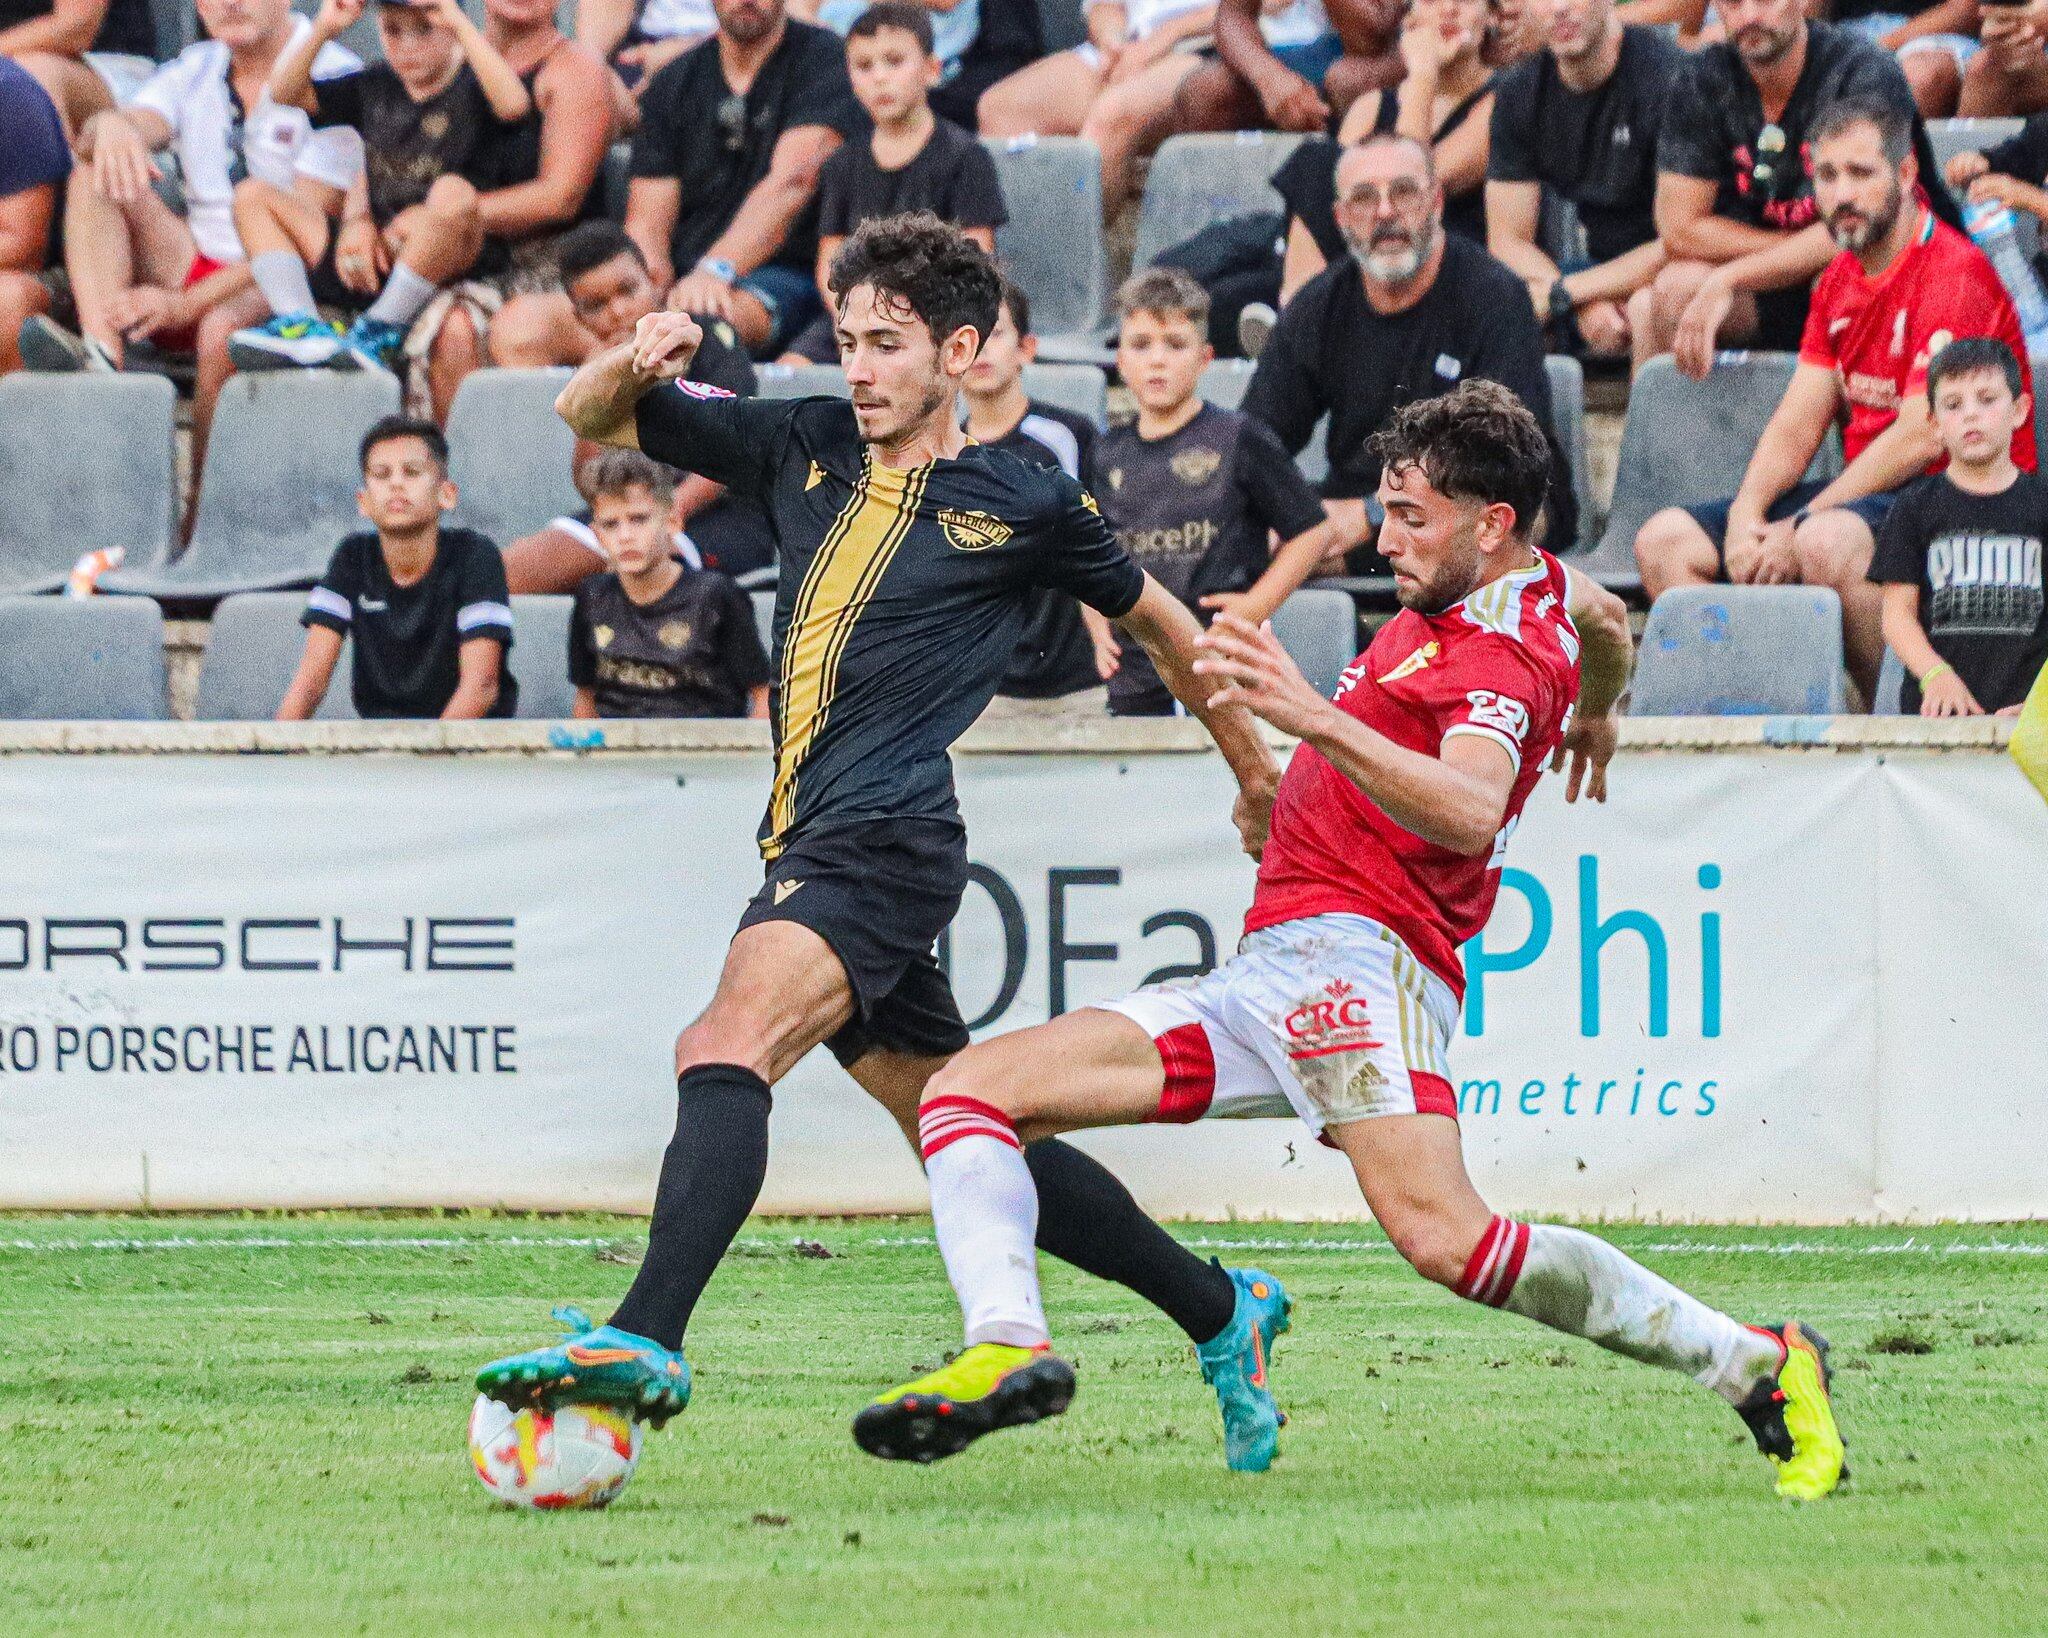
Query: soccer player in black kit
point(909, 556)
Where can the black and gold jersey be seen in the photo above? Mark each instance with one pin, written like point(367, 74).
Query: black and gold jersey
point(901, 596)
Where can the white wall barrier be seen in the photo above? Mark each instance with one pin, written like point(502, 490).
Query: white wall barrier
point(1775, 983)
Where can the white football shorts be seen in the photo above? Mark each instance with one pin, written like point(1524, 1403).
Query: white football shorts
point(1330, 1017)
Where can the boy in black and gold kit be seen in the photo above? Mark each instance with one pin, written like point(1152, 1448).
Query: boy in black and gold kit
point(908, 558)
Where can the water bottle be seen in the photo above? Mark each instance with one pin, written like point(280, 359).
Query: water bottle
point(1991, 226)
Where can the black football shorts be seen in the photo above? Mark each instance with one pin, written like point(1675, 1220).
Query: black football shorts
point(880, 892)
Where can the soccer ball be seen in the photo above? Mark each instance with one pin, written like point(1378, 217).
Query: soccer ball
point(574, 1456)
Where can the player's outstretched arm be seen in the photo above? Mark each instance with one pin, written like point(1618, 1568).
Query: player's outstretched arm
point(1457, 800)
point(1161, 622)
point(1606, 656)
point(599, 401)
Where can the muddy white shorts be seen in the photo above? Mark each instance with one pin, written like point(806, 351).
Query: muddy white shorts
point(1330, 1017)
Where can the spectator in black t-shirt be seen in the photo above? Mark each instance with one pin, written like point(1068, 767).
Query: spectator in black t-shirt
point(1959, 556)
point(652, 638)
point(1735, 184)
point(425, 607)
point(913, 160)
point(725, 168)
point(1056, 657)
point(1194, 493)
point(33, 165)
point(1408, 314)
point(608, 292)
point(428, 115)
point(1581, 119)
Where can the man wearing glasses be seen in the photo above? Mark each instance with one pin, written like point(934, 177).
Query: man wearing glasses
point(725, 169)
point(1407, 315)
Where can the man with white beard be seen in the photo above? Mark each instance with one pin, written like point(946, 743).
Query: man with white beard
point(1407, 315)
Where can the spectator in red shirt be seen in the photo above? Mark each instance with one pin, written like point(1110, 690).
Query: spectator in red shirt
point(1903, 286)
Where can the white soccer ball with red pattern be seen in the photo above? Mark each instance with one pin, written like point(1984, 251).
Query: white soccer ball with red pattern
point(573, 1456)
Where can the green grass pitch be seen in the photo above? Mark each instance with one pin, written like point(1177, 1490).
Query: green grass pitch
point(254, 1425)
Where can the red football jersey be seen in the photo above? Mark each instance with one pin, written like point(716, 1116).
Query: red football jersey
point(1503, 663)
point(1878, 335)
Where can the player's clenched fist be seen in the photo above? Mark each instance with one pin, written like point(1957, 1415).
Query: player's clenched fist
point(664, 344)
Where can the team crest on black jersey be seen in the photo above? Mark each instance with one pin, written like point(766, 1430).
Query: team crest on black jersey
point(972, 531)
point(674, 634)
point(1196, 466)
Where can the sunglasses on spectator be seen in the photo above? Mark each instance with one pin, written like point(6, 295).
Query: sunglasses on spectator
point(732, 122)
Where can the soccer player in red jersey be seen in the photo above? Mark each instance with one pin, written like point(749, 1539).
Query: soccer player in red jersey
point(1903, 286)
point(1384, 856)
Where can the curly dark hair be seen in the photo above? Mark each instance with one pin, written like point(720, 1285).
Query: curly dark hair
point(1477, 442)
point(935, 270)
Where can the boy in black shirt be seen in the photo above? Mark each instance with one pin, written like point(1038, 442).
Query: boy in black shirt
point(652, 639)
point(1959, 556)
point(1056, 657)
point(427, 114)
point(426, 606)
point(913, 160)
point(1192, 491)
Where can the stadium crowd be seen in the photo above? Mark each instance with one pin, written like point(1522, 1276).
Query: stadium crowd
point(1479, 187)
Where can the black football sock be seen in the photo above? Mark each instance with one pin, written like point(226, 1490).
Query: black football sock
point(1087, 1218)
point(710, 1178)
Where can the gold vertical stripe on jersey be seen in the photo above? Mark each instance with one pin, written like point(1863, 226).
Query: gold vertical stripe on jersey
point(842, 578)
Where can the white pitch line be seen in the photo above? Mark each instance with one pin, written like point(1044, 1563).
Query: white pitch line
point(1746, 1248)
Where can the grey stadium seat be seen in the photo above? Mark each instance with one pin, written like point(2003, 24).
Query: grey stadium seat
point(1737, 651)
point(280, 485)
point(1319, 628)
point(1081, 388)
point(509, 453)
point(540, 657)
point(800, 380)
point(764, 619)
point(81, 659)
point(60, 438)
point(252, 653)
point(1196, 180)
point(1223, 382)
point(1687, 441)
point(1568, 413)
point(1052, 243)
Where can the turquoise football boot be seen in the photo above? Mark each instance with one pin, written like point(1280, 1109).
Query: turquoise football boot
point(595, 1365)
point(1234, 1364)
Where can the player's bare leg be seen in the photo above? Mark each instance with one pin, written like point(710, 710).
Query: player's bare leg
point(1411, 1169)
point(986, 1131)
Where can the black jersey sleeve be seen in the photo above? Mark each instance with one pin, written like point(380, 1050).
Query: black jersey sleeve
point(1901, 556)
point(1080, 553)
point(740, 653)
point(582, 645)
point(1281, 498)
point(483, 607)
point(706, 430)
point(338, 99)
point(332, 601)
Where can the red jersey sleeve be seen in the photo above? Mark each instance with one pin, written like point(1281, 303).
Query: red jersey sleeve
point(1969, 300)
point(1493, 687)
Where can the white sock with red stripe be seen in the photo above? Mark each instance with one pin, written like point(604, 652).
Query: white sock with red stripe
point(985, 1209)
point(1576, 1282)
